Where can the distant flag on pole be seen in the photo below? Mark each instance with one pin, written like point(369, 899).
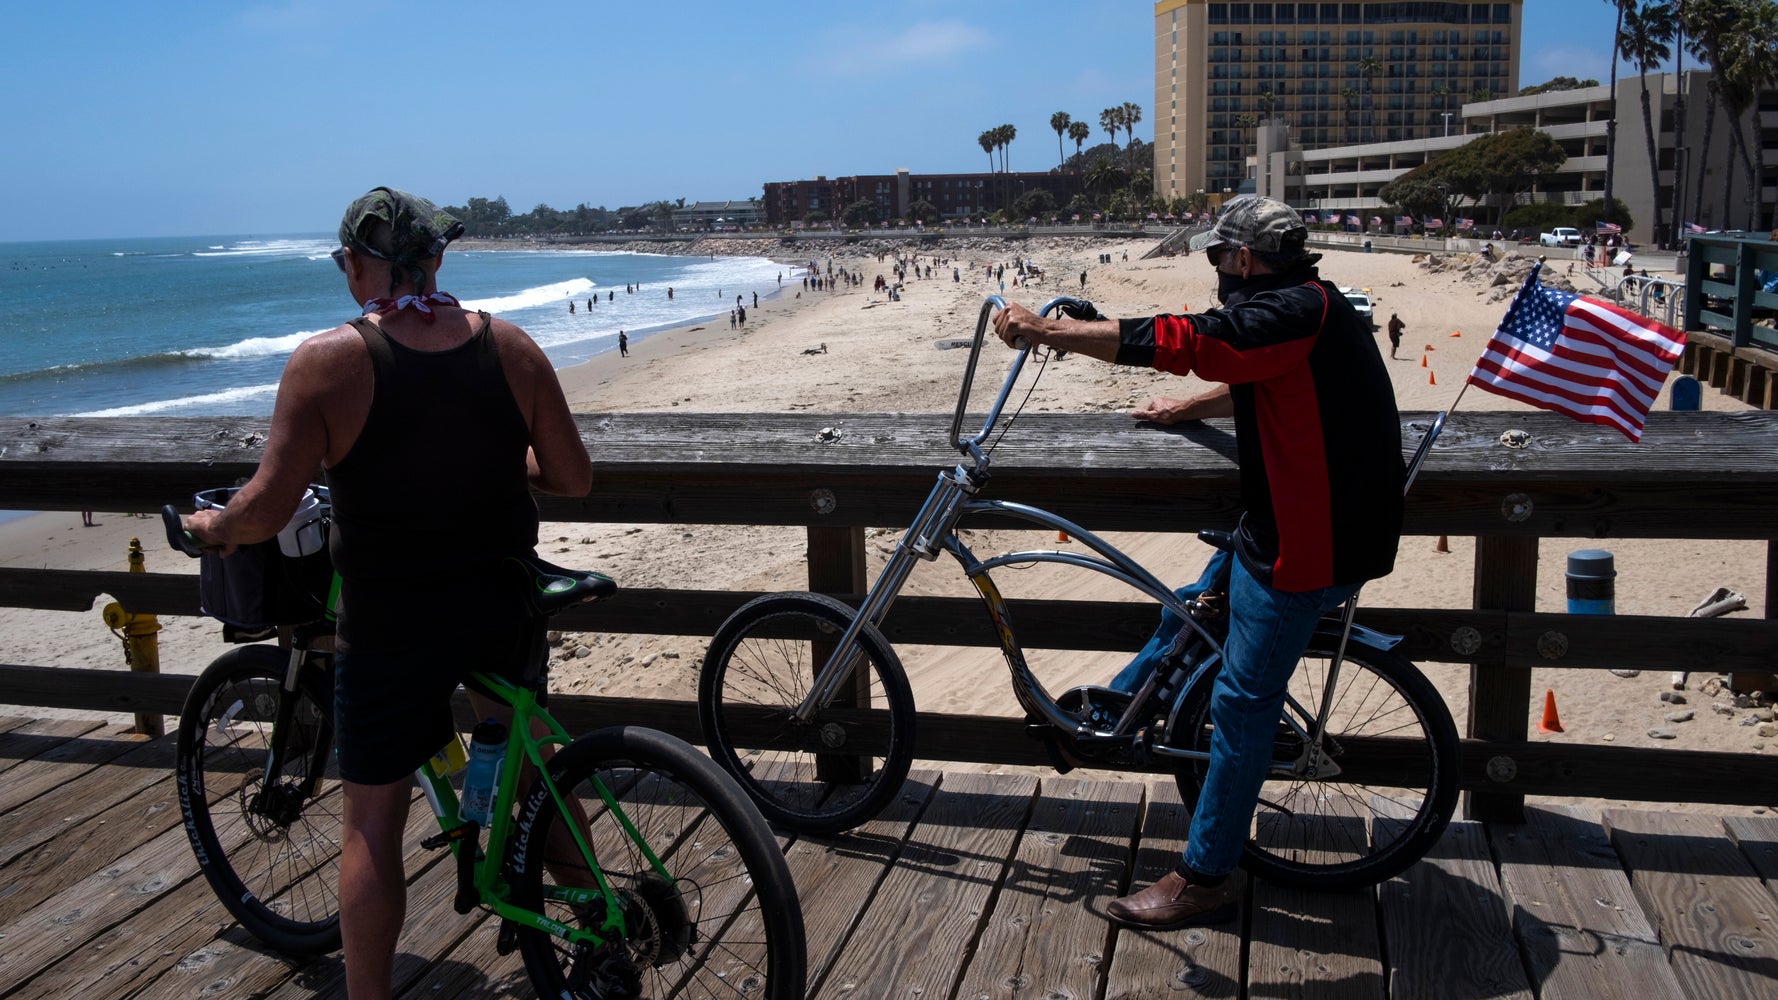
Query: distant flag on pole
point(1465, 223)
point(1376, 220)
point(1353, 220)
point(1588, 359)
point(1608, 228)
point(1311, 218)
point(1403, 221)
point(1435, 223)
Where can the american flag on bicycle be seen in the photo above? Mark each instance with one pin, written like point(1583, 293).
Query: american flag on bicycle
point(1591, 360)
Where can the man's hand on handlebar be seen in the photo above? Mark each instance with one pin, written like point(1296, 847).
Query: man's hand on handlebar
point(1016, 322)
point(200, 526)
point(1019, 328)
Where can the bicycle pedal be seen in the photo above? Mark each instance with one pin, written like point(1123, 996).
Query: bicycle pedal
point(508, 938)
point(451, 836)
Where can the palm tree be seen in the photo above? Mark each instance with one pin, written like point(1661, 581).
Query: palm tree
point(1132, 114)
point(1643, 40)
point(1349, 95)
point(1111, 119)
point(1060, 122)
point(1104, 176)
point(1003, 136)
point(988, 141)
point(1611, 123)
point(1750, 64)
point(1080, 132)
point(1725, 35)
point(1369, 67)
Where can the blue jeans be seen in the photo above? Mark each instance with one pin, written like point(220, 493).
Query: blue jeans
point(1268, 631)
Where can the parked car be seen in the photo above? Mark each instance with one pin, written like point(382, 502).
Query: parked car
point(1361, 303)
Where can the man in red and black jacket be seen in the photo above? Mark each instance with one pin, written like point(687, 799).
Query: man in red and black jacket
point(1319, 445)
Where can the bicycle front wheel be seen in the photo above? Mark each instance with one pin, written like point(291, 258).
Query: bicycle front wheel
point(716, 916)
point(1380, 796)
point(266, 833)
point(841, 766)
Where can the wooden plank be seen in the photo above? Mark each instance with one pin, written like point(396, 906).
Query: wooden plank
point(1757, 837)
point(1706, 901)
point(1505, 580)
point(1313, 944)
point(33, 739)
point(64, 763)
point(837, 877)
point(1580, 930)
point(763, 469)
point(1197, 961)
point(929, 910)
point(1446, 933)
point(1044, 937)
point(58, 812)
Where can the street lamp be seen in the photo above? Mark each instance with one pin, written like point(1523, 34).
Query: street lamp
point(1444, 201)
point(1447, 117)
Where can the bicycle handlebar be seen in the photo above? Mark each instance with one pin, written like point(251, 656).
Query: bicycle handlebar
point(971, 446)
point(177, 536)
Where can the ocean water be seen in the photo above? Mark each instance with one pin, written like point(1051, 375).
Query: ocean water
point(191, 326)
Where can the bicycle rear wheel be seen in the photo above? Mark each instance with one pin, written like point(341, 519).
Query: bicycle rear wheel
point(1394, 756)
point(723, 920)
point(268, 843)
point(843, 765)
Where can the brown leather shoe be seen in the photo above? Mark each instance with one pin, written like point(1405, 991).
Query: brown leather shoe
point(1174, 902)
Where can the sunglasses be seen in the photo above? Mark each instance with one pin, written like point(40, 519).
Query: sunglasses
point(339, 259)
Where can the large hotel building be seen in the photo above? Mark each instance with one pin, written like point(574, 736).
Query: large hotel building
point(1340, 74)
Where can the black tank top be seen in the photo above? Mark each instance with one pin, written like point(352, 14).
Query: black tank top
point(434, 492)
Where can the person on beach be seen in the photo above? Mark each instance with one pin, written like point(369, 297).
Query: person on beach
point(1318, 441)
point(623, 345)
point(434, 424)
point(1395, 328)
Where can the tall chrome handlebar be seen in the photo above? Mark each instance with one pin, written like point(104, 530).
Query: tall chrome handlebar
point(973, 446)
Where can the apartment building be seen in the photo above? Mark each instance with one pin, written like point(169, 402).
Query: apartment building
point(1339, 73)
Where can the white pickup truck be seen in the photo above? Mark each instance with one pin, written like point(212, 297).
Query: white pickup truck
point(1561, 236)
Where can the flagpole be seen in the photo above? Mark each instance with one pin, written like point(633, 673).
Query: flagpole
point(1438, 422)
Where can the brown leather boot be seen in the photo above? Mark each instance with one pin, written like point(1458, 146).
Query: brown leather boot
point(1174, 902)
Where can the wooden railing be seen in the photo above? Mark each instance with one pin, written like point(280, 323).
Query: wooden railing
point(1724, 346)
point(1695, 475)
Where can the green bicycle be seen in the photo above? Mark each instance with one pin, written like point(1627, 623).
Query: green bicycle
point(673, 887)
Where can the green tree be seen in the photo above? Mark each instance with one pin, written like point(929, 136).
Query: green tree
point(1501, 167)
point(1110, 120)
point(1368, 68)
point(1617, 35)
point(1038, 202)
point(1588, 215)
point(1130, 118)
point(924, 210)
point(859, 214)
point(1644, 40)
point(815, 217)
point(1080, 132)
point(1104, 177)
point(988, 141)
point(1060, 122)
point(1349, 96)
point(1741, 38)
point(1559, 83)
point(1080, 204)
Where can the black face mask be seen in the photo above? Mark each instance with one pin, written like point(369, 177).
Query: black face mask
point(1228, 284)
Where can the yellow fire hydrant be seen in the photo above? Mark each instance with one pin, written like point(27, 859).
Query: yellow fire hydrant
point(141, 646)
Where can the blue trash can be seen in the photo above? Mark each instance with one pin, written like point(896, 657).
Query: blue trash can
point(1592, 586)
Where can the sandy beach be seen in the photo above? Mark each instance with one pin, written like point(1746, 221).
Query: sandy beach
point(853, 350)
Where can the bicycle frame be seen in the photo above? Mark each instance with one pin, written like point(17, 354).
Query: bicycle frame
point(934, 528)
point(480, 870)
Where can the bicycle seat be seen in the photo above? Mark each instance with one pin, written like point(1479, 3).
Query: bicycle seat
point(551, 588)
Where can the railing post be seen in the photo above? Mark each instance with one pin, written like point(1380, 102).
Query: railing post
point(1499, 697)
point(1761, 681)
point(836, 566)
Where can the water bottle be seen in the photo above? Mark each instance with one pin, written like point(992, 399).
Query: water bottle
point(487, 746)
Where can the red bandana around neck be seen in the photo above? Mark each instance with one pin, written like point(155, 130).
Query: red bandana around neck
point(421, 304)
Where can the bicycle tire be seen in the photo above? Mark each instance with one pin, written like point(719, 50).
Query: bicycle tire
point(760, 664)
point(727, 922)
point(278, 876)
point(1332, 834)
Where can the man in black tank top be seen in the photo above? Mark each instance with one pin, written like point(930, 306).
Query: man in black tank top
point(434, 425)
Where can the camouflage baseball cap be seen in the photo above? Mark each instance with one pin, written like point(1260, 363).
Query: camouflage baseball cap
point(418, 228)
point(1263, 224)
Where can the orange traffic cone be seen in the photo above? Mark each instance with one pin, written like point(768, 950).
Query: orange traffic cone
point(1551, 723)
point(1456, 333)
point(1431, 348)
point(1442, 545)
point(1431, 378)
point(1061, 536)
point(1423, 361)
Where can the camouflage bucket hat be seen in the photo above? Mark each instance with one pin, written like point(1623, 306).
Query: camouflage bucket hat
point(418, 228)
point(1262, 224)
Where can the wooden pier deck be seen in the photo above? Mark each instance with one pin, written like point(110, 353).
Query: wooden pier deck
point(970, 886)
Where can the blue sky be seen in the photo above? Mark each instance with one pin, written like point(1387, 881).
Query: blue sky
point(197, 117)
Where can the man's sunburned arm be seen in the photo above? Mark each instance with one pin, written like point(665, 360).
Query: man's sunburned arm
point(557, 461)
